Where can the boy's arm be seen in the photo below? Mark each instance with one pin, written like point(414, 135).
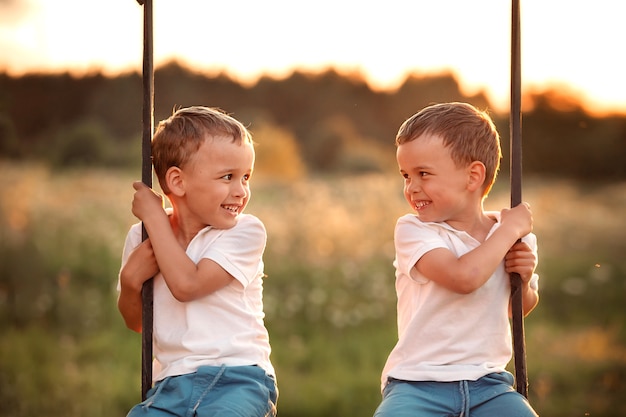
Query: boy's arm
point(470, 271)
point(530, 298)
point(185, 280)
point(522, 260)
point(139, 267)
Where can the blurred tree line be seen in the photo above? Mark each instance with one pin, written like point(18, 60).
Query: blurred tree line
point(319, 123)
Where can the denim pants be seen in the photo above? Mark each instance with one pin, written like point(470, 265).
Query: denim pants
point(490, 396)
point(226, 391)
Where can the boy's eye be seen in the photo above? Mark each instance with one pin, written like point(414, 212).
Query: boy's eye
point(246, 177)
point(228, 177)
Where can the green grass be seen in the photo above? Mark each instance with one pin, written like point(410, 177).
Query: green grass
point(329, 295)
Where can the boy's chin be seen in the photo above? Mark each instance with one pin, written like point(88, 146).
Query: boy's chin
point(225, 223)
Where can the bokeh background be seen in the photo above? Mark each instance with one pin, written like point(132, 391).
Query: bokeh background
point(326, 185)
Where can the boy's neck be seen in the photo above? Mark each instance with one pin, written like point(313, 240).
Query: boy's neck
point(477, 225)
point(183, 230)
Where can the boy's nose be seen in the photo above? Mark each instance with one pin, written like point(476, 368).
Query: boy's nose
point(414, 187)
point(240, 190)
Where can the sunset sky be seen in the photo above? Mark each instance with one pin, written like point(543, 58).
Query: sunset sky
point(577, 45)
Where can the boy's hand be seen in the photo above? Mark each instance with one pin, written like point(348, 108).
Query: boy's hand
point(518, 219)
point(140, 266)
point(522, 260)
point(146, 202)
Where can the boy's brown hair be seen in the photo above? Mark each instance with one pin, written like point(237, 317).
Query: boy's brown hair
point(178, 137)
point(467, 132)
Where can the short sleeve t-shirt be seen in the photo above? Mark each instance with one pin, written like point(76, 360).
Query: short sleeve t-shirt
point(222, 328)
point(442, 335)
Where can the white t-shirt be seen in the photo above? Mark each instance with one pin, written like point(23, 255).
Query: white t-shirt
point(222, 328)
point(444, 336)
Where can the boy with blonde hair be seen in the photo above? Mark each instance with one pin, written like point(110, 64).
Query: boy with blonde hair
point(453, 261)
point(211, 348)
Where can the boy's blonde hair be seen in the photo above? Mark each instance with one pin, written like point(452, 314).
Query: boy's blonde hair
point(178, 137)
point(467, 132)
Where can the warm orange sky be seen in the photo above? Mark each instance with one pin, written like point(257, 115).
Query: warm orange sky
point(577, 44)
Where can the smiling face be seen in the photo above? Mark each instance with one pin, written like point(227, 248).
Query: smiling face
point(215, 183)
point(434, 186)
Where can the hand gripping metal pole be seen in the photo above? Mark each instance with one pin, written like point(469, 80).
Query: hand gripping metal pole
point(519, 347)
point(146, 177)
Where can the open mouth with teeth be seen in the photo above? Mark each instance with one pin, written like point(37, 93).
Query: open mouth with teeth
point(231, 208)
point(419, 205)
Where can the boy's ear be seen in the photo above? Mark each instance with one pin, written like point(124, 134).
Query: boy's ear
point(175, 182)
point(476, 176)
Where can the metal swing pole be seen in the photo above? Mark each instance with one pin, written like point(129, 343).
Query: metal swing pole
point(515, 123)
point(146, 178)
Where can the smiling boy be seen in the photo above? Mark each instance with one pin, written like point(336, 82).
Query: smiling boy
point(453, 261)
point(211, 348)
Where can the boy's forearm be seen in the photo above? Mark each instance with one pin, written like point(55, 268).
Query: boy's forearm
point(481, 262)
point(176, 267)
point(129, 301)
point(129, 304)
point(530, 298)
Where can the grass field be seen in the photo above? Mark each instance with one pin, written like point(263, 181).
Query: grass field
point(329, 295)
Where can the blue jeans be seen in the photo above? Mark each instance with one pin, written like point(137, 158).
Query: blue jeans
point(489, 396)
point(227, 391)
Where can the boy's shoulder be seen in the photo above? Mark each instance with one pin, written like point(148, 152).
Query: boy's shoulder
point(246, 225)
point(249, 220)
point(410, 228)
point(412, 220)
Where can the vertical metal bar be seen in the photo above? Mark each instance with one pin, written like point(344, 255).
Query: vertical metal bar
point(146, 177)
point(519, 346)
